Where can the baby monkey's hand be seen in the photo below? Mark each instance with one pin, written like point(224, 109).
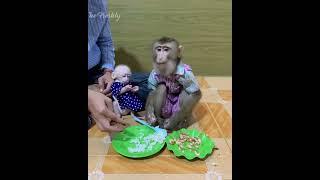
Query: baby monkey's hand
point(135, 89)
point(128, 87)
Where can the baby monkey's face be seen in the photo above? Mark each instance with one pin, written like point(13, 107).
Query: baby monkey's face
point(122, 74)
point(124, 77)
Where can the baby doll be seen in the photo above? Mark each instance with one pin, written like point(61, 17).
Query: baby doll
point(126, 99)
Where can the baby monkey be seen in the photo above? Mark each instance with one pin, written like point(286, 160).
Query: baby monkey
point(124, 94)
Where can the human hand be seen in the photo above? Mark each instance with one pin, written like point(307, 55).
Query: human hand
point(101, 109)
point(105, 82)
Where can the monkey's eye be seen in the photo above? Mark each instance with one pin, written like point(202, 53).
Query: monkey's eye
point(166, 49)
point(159, 49)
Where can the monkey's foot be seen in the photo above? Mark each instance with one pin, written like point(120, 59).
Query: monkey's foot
point(125, 112)
point(151, 119)
point(161, 122)
point(173, 125)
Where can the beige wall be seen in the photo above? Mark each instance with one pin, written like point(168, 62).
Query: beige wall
point(203, 27)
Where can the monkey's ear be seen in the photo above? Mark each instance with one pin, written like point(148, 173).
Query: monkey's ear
point(180, 49)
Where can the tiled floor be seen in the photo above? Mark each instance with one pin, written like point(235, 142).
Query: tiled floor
point(214, 117)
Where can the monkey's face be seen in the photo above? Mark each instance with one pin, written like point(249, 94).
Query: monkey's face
point(122, 74)
point(124, 78)
point(165, 52)
point(165, 57)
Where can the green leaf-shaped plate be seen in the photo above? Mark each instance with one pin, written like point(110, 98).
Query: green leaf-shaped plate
point(204, 149)
point(131, 137)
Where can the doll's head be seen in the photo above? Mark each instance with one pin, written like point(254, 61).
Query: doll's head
point(121, 74)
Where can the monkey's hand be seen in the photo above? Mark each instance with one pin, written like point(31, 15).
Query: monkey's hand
point(151, 118)
point(135, 89)
point(126, 89)
point(185, 82)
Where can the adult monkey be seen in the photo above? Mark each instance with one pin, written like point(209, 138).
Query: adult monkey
point(175, 90)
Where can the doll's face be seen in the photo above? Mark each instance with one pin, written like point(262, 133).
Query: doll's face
point(122, 74)
point(124, 78)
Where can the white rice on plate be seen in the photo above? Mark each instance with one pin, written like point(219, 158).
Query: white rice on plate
point(143, 143)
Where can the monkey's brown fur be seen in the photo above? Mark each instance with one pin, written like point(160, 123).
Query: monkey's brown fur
point(169, 59)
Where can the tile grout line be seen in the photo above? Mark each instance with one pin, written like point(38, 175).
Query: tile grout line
point(211, 173)
point(224, 103)
point(219, 128)
point(97, 173)
point(221, 88)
